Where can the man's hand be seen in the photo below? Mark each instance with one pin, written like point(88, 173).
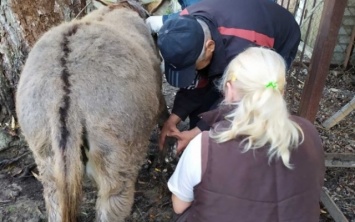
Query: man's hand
point(169, 128)
point(154, 23)
point(184, 138)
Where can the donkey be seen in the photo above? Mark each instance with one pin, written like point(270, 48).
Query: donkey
point(91, 90)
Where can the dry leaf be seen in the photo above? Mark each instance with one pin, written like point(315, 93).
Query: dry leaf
point(35, 175)
point(13, 123)
point(158, 170)
point(323, 211)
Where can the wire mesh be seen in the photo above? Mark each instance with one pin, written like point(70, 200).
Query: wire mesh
point(308, 15)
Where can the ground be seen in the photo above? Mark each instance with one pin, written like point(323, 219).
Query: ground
point(21, 193)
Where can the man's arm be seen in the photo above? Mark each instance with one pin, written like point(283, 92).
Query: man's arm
point(188, 100)
point(196, 101)
point(289, 50)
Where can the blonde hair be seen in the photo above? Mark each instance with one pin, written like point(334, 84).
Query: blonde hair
point(258, 75)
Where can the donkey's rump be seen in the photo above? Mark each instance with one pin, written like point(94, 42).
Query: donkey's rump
point(92, 83)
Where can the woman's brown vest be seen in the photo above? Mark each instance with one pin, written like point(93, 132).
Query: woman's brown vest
point(246, 187)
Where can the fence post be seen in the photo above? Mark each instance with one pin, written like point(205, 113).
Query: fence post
point(330, 23)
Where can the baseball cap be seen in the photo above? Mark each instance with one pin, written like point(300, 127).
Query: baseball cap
point(180, 41)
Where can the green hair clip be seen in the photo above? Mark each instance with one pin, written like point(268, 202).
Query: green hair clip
point(271, 85)
point(233, 78)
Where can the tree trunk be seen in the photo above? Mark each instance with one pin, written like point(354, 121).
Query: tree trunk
point(22, 22)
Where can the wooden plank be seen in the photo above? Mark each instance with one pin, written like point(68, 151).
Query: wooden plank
point(349, 49)
point(332, 15)
point(339, 160)
point(332, 208)
point(341, 114)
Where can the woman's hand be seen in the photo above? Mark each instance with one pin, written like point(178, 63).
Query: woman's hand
point(184, 138)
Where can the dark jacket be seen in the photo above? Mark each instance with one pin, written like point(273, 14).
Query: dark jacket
point(236, 25)
point(244, 187)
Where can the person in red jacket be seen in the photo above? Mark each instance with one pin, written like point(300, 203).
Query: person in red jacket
point(197, 45)
point(257, 162)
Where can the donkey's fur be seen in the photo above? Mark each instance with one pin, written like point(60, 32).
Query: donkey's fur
point(91, 85)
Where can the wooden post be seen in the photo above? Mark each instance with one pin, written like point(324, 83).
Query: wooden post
point(349, 49)
point(332, 15)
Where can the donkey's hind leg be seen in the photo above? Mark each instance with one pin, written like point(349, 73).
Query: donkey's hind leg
point(44, 160)
point(114, 168)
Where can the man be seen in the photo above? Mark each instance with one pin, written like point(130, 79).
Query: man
point(206, 37)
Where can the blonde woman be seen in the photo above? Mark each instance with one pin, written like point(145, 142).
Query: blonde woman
point(258, 163)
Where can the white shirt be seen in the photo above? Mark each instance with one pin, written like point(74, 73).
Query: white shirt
point(188, 171)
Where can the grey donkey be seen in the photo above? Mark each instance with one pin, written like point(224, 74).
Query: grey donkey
point(91, 89)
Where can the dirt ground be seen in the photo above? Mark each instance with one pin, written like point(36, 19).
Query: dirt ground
point(21, 193)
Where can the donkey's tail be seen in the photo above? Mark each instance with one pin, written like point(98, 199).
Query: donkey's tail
point(66, 133)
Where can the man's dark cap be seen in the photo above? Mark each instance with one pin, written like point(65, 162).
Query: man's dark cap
point(180, 41)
